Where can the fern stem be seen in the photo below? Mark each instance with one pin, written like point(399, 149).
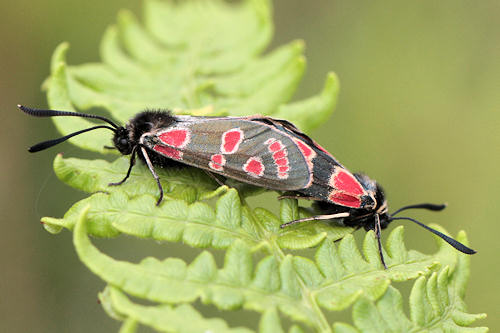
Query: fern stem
point(321, 324)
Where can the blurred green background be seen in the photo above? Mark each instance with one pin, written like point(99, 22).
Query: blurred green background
point(419, 111)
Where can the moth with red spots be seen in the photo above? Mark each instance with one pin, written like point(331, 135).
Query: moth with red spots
point(262, 151)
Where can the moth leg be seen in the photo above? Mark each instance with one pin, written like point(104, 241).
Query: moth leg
point(377, 235)
point(132, 163)
point(109, 147)
point(153, 172)
point(316, 218)
point(214, 177)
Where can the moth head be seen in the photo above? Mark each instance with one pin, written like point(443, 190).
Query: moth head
point(122, 141)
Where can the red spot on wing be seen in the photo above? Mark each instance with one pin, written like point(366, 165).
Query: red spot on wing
point(307, 151)
point(309, 154)
point(231, 141)
point(275, 146)
point(254, 167)
point(280, 158)
point(218, 158)
point(168, 152)
point(344, 199)
point(345, 182)
point(283, 169)
point(175, 137)
point(214, 166)
point(217, 162)
point(281, 162)
point(283, 172)
point(279, 154)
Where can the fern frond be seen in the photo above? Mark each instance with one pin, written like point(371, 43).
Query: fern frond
point(161, 317)
point(337, 279)
point(436, 304)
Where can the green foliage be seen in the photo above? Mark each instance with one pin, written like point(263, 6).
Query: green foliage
point(197, 57)
point(200, 57)
point(436, 304)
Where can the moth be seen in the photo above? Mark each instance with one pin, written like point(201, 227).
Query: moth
point(258, 150)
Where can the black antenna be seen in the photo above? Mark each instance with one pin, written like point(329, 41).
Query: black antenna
point(456, 244)
point(427, 206)
point(55, 113)
point(47, 144)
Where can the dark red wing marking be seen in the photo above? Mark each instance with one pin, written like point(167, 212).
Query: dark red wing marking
point(175, 137)
point(344, 181)
point(231, 141)
point(308, 152)
point(217, 162)
point(347, 190)
point(279, 154)
point(344, 199)
point(254, 167)
point(168, 152)
point(280, 157)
